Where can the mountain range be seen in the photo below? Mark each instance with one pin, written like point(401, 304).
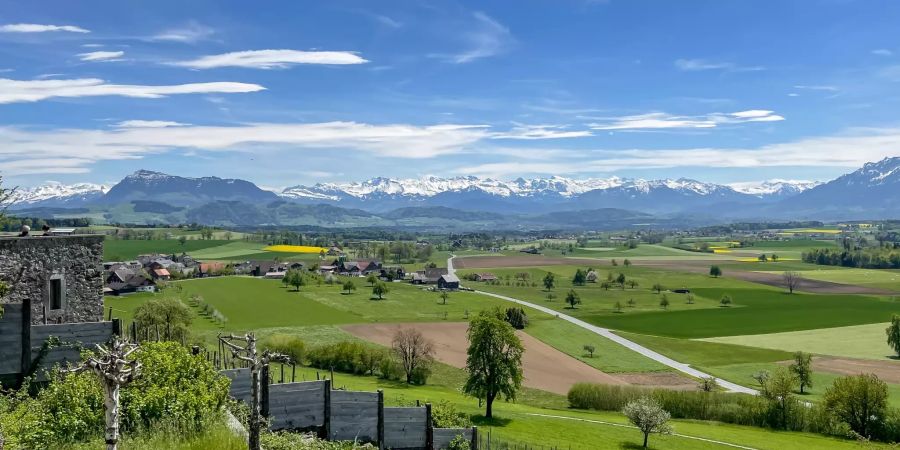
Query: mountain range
point(153, 197)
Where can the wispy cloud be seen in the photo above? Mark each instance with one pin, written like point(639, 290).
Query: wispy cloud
point(695, 65)
point(17, 91)
point(271, 59)
point(101, 56)
point(891, 73)
point(664, 121)
point(149, 124)
point(38, 28)
point(852, 150)
point(18, 146)
point(191, 33)
point(882, 52)
point(488, 38)
point(819, 87)
point(535, 132)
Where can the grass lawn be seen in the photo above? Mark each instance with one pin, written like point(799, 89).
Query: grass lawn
point(525, 421)
point(858, 341)
point(763, 310)
point(123, 250)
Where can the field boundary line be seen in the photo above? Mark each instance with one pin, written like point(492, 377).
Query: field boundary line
point(605, 332)
point(622, 425)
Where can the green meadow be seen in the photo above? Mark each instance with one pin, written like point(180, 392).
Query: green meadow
point(858, 341)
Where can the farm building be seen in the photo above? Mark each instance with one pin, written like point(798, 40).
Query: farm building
point(430, 275)
point(62, 276)
point(486, 276)
point(160, 274)
point(357, 268)
point(450, 282)
point(210, 269)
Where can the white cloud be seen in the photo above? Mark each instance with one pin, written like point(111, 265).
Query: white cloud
point(533, 132)
point(37, 28)
point(820, 87)
point(663, 121)
point(191, 33)
point(149, 124)
point(695, 65)
point(488, 38)
point(271, 59)
point(101, 56)
point(891, 73)
point(16, 91)
point(19, 146)
point(882, 52)
point(92, 45)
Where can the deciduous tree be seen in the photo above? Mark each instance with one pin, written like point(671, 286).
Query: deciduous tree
point(572, 298)
point(494, 360)
point(893, 334)
point(802, 369)
point(715, 271)
point(349, 286)
point(648, 416)
point(414, 351)
point(549, 281)
point(791, 280)
point(379, 290)
point(860, 401)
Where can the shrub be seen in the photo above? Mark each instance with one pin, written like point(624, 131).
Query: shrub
point(284, 440)
point(286, 344)
point(445, 415)
point(459, 443)
point(390, 369)
point(517, 318)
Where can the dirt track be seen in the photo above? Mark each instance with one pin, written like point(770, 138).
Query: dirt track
point(488, 262)
point(888, 371)
point(545, 367)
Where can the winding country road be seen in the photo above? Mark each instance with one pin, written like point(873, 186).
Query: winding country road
point(605, 332)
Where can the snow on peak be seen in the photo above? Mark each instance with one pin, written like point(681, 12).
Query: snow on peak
point(774, 187)
point(54, 190)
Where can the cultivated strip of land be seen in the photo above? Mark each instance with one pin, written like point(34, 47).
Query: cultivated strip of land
point(604, 332)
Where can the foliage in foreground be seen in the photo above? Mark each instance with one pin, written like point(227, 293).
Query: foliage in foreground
point(177, 389)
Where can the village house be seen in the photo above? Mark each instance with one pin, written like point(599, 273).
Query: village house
point(61, 276)
point(448, 282)
point(160, 274)
point(430, 275)
point(486, 276)
point(210, 269)
point(356, 268)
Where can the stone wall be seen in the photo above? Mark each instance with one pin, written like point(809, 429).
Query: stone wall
point(33, 261)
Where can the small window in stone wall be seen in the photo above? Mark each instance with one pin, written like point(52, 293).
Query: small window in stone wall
point(57, 292)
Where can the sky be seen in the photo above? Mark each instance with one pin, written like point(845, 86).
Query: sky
point(299, 92)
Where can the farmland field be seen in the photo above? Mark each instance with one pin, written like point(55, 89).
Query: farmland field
point(881, 278)
point(859, 341)
point(122, 250)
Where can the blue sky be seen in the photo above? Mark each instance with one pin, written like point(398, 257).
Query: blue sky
point(304, 92)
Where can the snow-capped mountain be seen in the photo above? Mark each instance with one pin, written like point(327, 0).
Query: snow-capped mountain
point(146, 185)
point(873, 191)
point(776, 187)
point(58, 195)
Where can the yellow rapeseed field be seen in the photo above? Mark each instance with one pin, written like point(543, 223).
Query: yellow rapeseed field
point(294, 249)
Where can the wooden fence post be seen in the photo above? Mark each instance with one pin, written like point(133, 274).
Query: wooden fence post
point(26, 340)
point(380, 419)
point(429, 428)
point(264, 395)
point(326, 427)
point(117, 327)
point(474, 437)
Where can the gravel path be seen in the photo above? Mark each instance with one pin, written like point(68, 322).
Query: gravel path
point(681, 367)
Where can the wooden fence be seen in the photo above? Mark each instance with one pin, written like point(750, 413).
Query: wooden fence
point(22, 350)
point(347, 415)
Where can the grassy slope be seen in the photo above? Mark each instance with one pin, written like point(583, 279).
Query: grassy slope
point(858, 341)
point(121, 250)
point(881, 278)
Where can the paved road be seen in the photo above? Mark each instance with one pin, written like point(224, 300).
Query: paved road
point(665, 360)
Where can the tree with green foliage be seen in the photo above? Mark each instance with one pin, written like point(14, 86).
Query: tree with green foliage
point(725, 301)
point(617, 307)
point(493, 361)
point(763, 258)
point(166, 316)
point(860, 401)
point(708, 384)
point(549, 281)
point(605, 285)
point(182, 239)
point(621, 280)
point(444, 296)
point(715, 271)
point(802, 369)
point(779, 391)
point(379, 290)
point(664, 302)
point(579, 278)
point(286, 279)
point(632, 284)
point(893, 334)
point(627, 262)
point(658, 287)
point(613, 262)
point(297, 280)
point(516, 317)
point(648, 416)
point(572, 298)
point(632, 303)
point(349, 286)
point(590, 349)
point(372, 279)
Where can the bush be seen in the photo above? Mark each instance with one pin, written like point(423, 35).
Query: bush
point(178, 389)
point(286, 344)
point(420, 375)
point(459, 443)
point(390, 369)
point(284, 440)
point(517, 318)
point(356, 358)
point(445, 415)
